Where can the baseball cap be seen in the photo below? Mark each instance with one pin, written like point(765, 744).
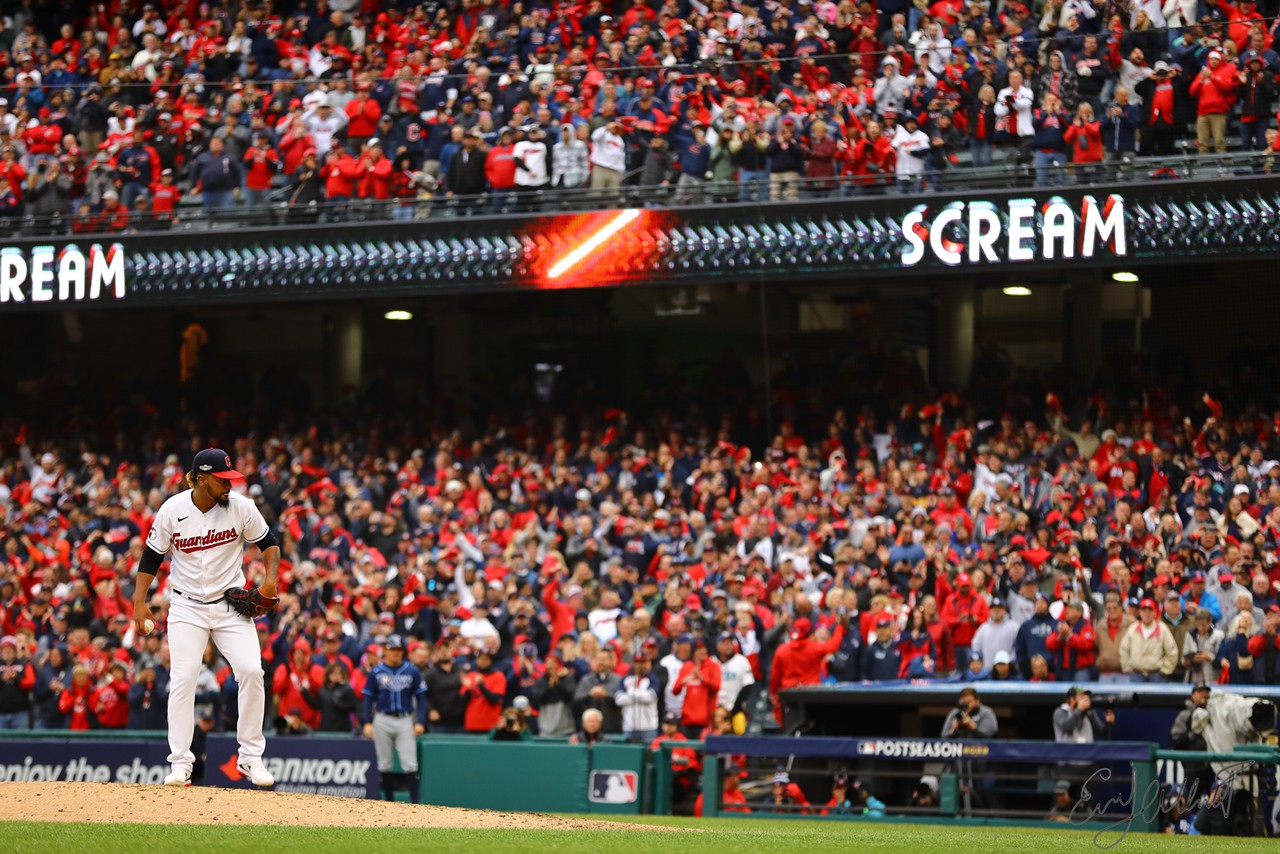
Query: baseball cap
point(1002, 657)
point(883, 623)
point(217, 462)
point(1061, 787)
point(393, 642)
point(670, 718)
point(963, 580)
point(801, 628)
point(1076, 691)
point(1161, 66)
point(9, 640)
point(1147, 603)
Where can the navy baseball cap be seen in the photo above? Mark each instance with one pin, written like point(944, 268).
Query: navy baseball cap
point(393, 642)
point(217, 462)
point(670, 718)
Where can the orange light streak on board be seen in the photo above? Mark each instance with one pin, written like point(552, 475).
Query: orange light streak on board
point(591, 250)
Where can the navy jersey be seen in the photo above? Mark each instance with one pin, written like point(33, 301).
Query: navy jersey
point(394, 691)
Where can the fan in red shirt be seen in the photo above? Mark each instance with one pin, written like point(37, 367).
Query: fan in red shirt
point(963, 612)
point(294, 680)
point(484, 689)
point(363, 113)
point(261, 165)
point(699, 680)
point(165, 195)
point(113, 216)
point(685, 762)
point(804, 666)
point(375, 172)
point(732, 798)
point(340, 173)
point(75, 699)
point(110, 701)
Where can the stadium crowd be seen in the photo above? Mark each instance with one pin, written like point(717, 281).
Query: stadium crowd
point(112, 113)
point(648, 579)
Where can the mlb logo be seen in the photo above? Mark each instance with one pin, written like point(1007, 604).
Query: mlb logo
point(867, 748)
point(614, 787)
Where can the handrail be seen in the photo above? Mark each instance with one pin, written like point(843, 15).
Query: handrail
point(190, 216)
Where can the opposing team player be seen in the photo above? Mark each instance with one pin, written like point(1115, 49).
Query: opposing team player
point(395, 710)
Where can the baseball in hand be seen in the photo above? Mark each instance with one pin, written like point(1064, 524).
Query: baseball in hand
point(149, 626)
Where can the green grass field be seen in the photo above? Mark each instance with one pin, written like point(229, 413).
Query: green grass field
point(720, 835)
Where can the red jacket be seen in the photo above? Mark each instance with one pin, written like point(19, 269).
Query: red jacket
point(958, 606)
point(340, 176)
point(559, 615)
point(261, 165)
point(291, 684)
point(1216, 95)
point(803, 664)
point(1085, 142)
point(1078, 652)
point(485, 693)
point(375, 178)
point(165, 198)
point(75, 701)
point(293, 147)
point(682, 758)
point(500, 167)
point(362, 119)
point(700, 693)
point(110, 703)
point(941, 634)
point(730, 801)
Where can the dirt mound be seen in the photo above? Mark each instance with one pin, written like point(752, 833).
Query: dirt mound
point(117, 803)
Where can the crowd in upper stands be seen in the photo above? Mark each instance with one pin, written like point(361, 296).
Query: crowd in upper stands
point(112, 113)
point(629, 576)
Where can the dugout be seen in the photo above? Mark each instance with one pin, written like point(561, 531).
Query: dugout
point(1024, 710)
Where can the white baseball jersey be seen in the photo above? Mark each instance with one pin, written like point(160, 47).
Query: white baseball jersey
point(735, 674)
point(206, 550)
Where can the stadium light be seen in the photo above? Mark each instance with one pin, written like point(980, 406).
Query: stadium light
point(1125, 277)
point(1017, 291)
point(398, 314)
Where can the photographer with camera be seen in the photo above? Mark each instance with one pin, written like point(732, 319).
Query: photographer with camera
point(49, 197)
point(1077, 721)
point(512, 726)
point(1014, 120)
point(970, 719)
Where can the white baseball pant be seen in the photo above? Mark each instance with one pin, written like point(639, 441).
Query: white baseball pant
point(191, 624)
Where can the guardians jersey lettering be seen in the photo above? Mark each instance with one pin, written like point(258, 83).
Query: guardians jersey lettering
point(210, 540)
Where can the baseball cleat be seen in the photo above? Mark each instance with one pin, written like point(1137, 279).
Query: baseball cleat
point(178, 777)
point(256, 772)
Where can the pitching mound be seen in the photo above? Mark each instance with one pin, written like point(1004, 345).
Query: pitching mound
point(119, 803)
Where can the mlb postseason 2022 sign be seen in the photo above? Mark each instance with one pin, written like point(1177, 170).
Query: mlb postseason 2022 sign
point(1019, 229)
point(44, 274)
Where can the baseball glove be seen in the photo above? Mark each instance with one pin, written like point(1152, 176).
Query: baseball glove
point(250, 603)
